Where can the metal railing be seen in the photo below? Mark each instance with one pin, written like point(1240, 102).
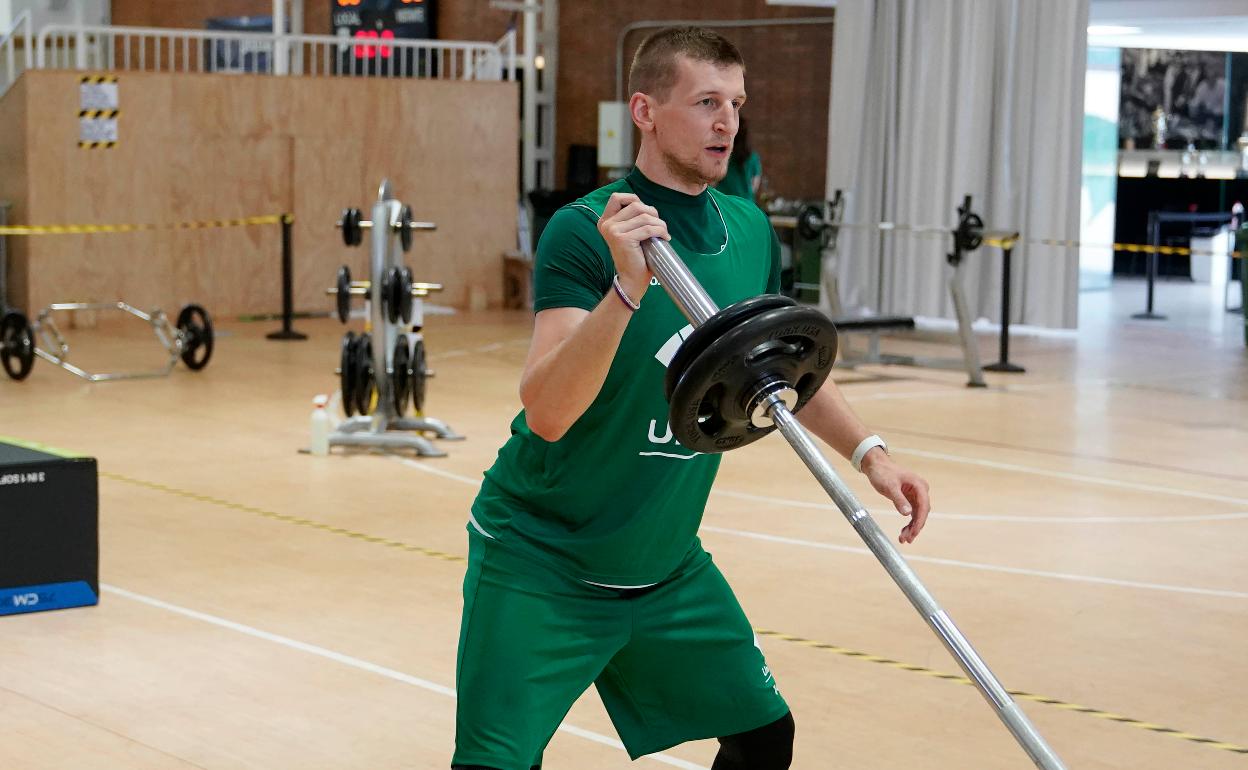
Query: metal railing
point(145, 49)
point(8, 51)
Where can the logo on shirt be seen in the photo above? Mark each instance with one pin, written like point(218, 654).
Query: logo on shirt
point(668, 351)
point(659, 432)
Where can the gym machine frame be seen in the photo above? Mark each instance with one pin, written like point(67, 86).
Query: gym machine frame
point(770, 402)
point(389, 219)
point(825, 220)
point(191, 340)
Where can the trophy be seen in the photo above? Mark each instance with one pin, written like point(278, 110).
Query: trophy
point(1160, 125)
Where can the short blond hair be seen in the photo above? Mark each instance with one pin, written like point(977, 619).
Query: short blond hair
point(654, 69)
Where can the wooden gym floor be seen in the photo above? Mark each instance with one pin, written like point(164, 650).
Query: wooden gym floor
point(263, 608)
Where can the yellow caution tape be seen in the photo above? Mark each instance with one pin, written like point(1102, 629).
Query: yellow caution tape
point(1009, 243)
point(267, 219)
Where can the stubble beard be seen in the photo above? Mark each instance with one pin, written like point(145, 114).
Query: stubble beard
point(689, 171)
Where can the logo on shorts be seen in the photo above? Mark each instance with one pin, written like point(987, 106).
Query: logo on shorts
point(768, 679)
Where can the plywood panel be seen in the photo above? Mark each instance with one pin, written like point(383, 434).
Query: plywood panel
point(207, 147)
point(13, 188)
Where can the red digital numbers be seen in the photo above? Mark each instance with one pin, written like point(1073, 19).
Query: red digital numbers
point(369, 51)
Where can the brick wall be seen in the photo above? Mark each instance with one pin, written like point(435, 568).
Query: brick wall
point(788, 72)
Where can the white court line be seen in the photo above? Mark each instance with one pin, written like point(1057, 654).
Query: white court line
point(929, 559)
point(364, 665)
point(489, 348)
point(850, 396)
point(996, 518)
point(1237, 501)
point(983, 567)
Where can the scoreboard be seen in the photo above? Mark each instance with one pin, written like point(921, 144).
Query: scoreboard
point(372, 22)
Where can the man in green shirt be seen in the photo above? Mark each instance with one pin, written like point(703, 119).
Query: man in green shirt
point(745, 167)
point(584, 561)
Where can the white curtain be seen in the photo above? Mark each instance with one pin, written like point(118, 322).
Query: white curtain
point(933, 100)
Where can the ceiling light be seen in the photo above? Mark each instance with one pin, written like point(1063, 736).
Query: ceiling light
point(1112, 29)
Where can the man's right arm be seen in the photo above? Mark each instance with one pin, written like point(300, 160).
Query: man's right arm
point(572, 348)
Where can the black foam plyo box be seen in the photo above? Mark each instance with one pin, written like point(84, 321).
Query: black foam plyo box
point(49, 530)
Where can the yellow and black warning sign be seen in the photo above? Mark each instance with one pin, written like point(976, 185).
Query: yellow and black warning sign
point(98, 111)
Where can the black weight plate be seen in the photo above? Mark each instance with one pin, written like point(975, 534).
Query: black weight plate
point(365, 381)
point(420, 375)
point(713, 329)
point(343, 297)
point(970, 233)
point(405, 228)
point(709, 409)
point(197, 337)
point(405, 294)
point(17, 345)
point(352, 234)
point(401, 382)
point(346, 373)
point(390, 288)
point(810, 224)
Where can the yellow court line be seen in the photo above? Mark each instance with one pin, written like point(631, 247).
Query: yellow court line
point(825, 646)
point(1020, 694)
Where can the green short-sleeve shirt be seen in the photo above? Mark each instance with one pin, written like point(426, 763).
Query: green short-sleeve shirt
point(617, 501)
point(739, 180)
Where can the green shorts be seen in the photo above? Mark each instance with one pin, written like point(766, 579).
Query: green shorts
point(674, 663)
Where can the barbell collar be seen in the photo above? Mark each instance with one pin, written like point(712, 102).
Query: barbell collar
point(767, 398)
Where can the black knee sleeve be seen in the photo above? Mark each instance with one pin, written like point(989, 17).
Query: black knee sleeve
point(769, 747)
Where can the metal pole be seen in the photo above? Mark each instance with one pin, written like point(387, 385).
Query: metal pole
point(380, 241)
point(966, 332)
point(1154, 240)
point(287, 333)
point(280, 63)
point(1004, 364)
point(697, 306)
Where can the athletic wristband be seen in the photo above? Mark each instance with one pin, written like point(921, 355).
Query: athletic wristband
point(866, 445)
point(627, 300)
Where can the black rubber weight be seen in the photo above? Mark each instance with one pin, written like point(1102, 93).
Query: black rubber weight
point(714, 328)
point(197, 336)
point(346, 373)
point(365, 382)
point(420, 376)
point(710, 406)
point(17, 345)
point(342, 300)
point(401, 381)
